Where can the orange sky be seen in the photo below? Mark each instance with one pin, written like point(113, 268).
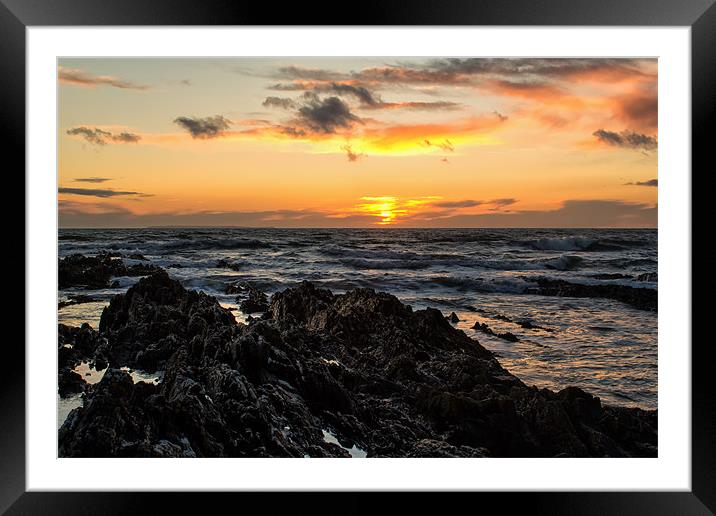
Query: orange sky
point(328, 142)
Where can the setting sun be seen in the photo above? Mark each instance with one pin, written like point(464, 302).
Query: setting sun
point(358, 142)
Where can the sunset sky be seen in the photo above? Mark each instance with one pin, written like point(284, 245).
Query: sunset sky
point(357, 142)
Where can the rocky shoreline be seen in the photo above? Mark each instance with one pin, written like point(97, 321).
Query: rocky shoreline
point(641, 298)
point(315, 375)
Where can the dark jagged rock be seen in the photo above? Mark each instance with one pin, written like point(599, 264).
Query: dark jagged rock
point(155, 317)
point(112, 416)
point(251, 300)
point(453, 318)
point(94, 272)
point(75, 345)
point(227, 264)
point(511, 337)
point(610, 276)
point(529, 325)
point(524, 323)
point(69, 382)
point(363, 366)
point(429, 448)
point(484, 328)
point(642, 298)
point(86, 271)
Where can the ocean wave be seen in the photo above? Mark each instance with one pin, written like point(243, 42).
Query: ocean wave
point(482, 285)
point(564, 263)
point(222, 243)
point(584, 243)
point(362, 263)
point(563, 244)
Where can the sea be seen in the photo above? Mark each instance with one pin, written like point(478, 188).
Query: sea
point(483, 275)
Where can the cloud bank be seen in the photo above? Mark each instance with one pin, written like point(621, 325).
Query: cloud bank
point(572, 214)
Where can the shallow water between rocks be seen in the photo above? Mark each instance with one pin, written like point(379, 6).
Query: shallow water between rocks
point(604, 346)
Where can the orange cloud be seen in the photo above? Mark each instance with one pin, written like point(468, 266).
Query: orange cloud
point(77, 77)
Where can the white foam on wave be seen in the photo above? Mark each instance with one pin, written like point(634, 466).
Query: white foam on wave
point(564, 263)
point(563, 244)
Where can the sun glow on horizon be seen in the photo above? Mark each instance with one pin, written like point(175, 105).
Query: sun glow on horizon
point(358, 141)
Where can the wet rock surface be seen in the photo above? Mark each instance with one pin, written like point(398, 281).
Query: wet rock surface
point(360, 366)
point(157, 316)
point(94, 272)
point(251, 300)
point(76, 345)
point(641, 298)
point(75, 300)
point(228, 264)
point(508, 336)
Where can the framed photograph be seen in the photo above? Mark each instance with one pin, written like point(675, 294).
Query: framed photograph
point(426, 251)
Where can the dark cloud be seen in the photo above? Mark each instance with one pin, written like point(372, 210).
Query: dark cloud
point(451, 69)
point(501, 203)
point(294, 132)
point(291, 86)
point(351, 154)
point(80, 78)
point(126, 138)
point(457, 71)
point(313, 114)
point(98, 192)
point(204, 128)
point(544, 80)
point(503, 118)
point(92, 179)
point(94, 136)
point(366, 98)
point(185, 82)
point(278, 102)
point(468, 203)
point(572, 214)
point(650, 182)
point(325, 115)
point(627, 139)
point(446, 145)
point(308, 74)
point(98, 136)
point(363, 95)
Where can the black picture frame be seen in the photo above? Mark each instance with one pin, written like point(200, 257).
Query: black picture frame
point(699, 15)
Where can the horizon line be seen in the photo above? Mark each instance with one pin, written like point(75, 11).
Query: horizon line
point(353, 227)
